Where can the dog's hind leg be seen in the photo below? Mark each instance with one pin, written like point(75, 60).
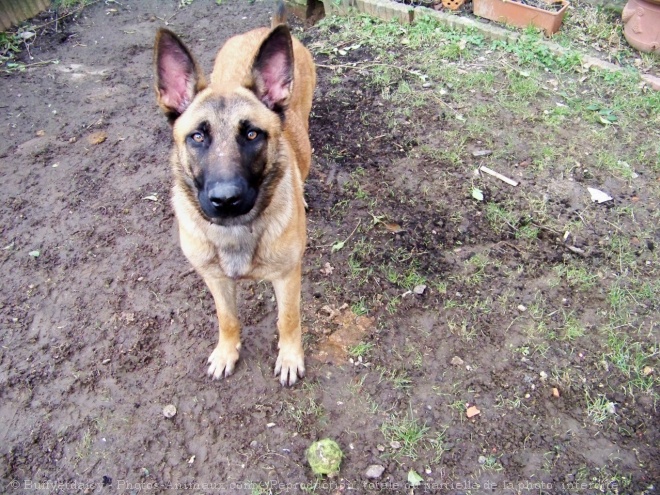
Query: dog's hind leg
point(290, 363)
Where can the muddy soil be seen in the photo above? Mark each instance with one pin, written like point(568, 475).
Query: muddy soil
point(104, 324)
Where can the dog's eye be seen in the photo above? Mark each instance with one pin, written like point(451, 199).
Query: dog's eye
point(198, 137)
point(252, 135)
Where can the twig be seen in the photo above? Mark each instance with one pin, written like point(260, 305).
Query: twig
point(498, 175)
point(27, 66)
point(57, 18)
point(366, 66)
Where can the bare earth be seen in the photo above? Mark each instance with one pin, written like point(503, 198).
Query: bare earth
point(104, 324)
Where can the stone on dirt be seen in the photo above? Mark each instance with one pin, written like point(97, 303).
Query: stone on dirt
point(169, 411)
point(374, 471)
point(456, 361)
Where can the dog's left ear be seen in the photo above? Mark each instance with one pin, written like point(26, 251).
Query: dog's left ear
point(272, 70)
point(178, 77)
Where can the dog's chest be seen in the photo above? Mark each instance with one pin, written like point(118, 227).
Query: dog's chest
point(236, 254)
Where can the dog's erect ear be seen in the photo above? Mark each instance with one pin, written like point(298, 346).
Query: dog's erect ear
point(178, 77)
point(272, 70)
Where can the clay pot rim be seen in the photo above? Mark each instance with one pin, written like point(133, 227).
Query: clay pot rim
point(564, 5)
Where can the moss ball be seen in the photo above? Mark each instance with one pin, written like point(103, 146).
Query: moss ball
point(324, 456)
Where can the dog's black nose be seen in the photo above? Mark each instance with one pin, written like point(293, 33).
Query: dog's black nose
point(226, 194)
point(227, 198)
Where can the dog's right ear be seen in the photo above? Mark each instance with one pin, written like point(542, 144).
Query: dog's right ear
point(178, 77)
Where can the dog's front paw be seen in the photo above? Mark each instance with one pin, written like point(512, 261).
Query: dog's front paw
point(223, 360)
point(290, 365)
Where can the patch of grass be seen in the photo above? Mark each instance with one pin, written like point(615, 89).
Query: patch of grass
point(633, 360)
point(492, 463)
point(399, 379)
point(408, 431)
point(306, 411)
point(500, 217)
point(464, 329)
point(598, 408)
point(572, 328)
point(84, 446)
point(576, 275)
point(359, 308)
point(360, 350)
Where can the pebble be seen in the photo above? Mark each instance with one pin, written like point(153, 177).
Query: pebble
point(374, 471)
point(544, 375)
point(169, 411)
point(555, 392)
point(482, 459)
point(522, 308)
point(395, 445)
point(456, 361)
point(419, 289)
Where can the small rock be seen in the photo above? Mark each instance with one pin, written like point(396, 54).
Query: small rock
point(41, 133)
point(522, 308)
point(419, 289)
point(97, 137)
point(555, 392)
point(482, 459)
point(544, 375)
point(480, 153)
point(374, 471)
point(456, 361)
point(611, 408)
point(647, 370)
point(395, 444)
point(472, 411)
point(270, 425)
point(169, 411)
point(191, 460)
point(380, 447)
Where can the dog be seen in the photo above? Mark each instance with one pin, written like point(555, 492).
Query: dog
point(240, 156)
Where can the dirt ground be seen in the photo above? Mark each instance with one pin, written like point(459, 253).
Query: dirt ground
point(104, 324)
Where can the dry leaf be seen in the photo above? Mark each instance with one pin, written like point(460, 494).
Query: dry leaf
point(97, 137)
point(393, 227)
point(327, 269)
point(472, 411)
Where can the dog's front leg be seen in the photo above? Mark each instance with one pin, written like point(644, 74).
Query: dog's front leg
point(291, 360)
point(224, 357)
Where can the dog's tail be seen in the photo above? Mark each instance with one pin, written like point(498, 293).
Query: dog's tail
point(279, 17)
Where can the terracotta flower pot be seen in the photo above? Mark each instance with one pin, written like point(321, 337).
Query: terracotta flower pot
point(641, 19)
point(521, 15)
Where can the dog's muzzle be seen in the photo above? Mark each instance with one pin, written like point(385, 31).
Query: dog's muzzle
point(227, 198)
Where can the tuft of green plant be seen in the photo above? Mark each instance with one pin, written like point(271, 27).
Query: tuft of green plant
point(408, 431)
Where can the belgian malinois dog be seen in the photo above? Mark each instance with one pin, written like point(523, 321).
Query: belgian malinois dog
point(241, 154)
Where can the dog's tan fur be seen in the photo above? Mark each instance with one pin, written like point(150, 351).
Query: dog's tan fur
point(269, 241)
